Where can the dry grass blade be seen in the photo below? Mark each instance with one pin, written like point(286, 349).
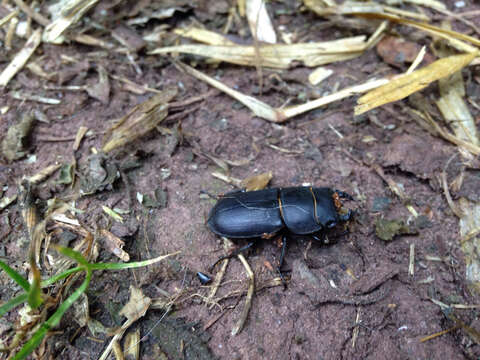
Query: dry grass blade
point(265, 111)
point(43, 174)
point(140, 120)
point(292, 111)
point(8, 17)
point(437, 5)
point(277, 56)
point(32, 13)
point(71, 12)
point(131, 346)
point(260, 24)
point(258, 107)
point(426, 122)
point(248, 300)
point(21, 58)
point(469, 224)
point(455, 39)
point(407, 84)
point(204, 36)
point(356, 7)
point(454, 109)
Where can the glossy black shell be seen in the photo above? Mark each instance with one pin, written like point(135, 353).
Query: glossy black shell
point(301, 210)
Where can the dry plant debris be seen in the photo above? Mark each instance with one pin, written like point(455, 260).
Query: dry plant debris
point(139, 121)
point(306, 58)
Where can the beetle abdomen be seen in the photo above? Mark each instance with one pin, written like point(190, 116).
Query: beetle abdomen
point(246, 214)
point(298, 210)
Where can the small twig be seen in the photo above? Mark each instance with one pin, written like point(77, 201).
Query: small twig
point(446, 191)
point(356, 329)
point(39, 18)
point(472, 234)
point(283, 150)
point(9, 17)
point(440, 333)
point(217, 281)
point(194, 99)
point(65, 139)
point(183, 113)
point(248, 300)
point(411, 263)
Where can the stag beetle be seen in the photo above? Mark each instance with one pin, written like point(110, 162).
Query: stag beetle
point(265, 213)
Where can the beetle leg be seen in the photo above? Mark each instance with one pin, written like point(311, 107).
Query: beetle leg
point(347, 216)
point(321, 238)
point(344, 195)
point(282, 256)
point(233, 253)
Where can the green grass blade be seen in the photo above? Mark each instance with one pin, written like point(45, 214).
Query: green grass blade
point(19, 279)
point(75, 255)
point(104, 266)
point(9, 305)
point(35, 292)
point(61, 276)
point(53, 320)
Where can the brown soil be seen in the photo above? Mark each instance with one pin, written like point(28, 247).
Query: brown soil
point(351, 299)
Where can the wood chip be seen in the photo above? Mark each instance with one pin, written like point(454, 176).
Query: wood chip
point(21, 58)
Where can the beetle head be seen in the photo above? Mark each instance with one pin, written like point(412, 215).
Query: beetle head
point(326, 213)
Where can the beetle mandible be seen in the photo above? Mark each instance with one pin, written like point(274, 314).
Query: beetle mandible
point(265, 213)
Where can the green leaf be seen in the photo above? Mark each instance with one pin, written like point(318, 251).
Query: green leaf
point(19, 279)
point(75, 255)
point(53, 320)
point(35, 293)
point(10, 304)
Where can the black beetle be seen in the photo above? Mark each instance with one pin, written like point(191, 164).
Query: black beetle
point(264, 213)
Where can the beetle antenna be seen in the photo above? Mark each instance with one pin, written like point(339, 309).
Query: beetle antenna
point(344, 195)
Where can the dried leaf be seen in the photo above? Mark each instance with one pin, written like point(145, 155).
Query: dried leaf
point(21, 58)
point(257, 182)
point(13, 145)
point(101, 89)
point(115, 245)
point(66, 174)
point(137, 306)
point(406, 84)
point(140, 120)
point(388, 229)
point(454, 109)
point(397, 51)
point(159, 200)
point(71, 11)
point(100, 175)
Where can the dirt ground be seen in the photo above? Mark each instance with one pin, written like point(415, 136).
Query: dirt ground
point(353, 298)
